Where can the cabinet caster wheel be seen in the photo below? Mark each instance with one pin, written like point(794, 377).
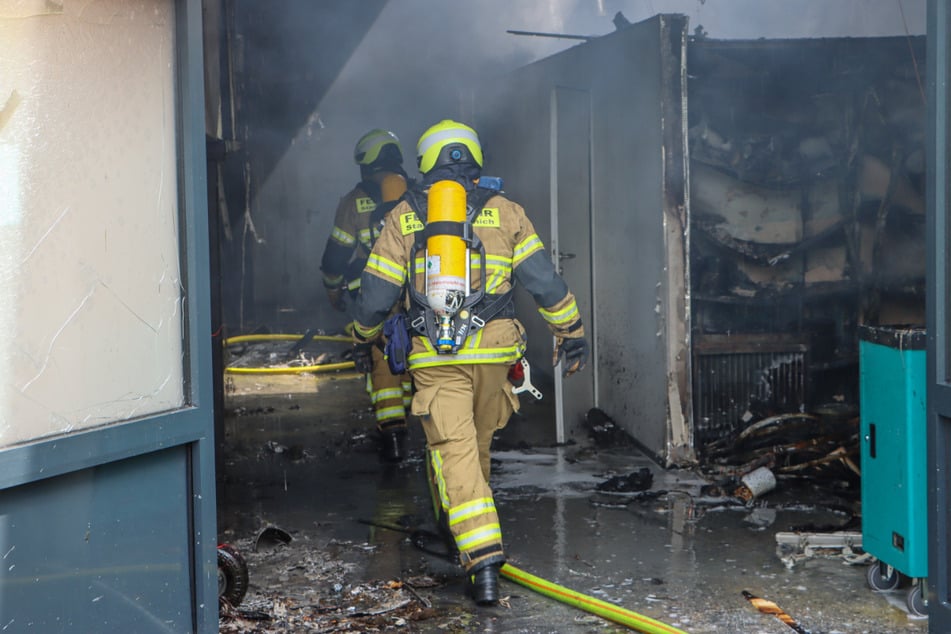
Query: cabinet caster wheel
point(882, 577)
point(915, 600)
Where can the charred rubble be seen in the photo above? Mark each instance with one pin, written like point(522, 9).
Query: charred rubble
point(807, 220)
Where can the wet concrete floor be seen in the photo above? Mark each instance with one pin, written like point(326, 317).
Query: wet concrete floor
point(300, 455)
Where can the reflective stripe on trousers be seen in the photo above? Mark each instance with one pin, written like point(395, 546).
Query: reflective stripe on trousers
point(390, 394)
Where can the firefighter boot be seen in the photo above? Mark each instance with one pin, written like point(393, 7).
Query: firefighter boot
point(483, 584)
point(393, 444)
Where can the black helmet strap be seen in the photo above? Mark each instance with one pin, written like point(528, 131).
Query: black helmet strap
point(463, 173)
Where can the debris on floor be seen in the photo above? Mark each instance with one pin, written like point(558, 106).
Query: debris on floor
point(768, 607)
point(604, 431)
point(302, 586)
point(271, 537)
point(756, 483)
point(819, 448)
point(639, 480)
point(793, 548)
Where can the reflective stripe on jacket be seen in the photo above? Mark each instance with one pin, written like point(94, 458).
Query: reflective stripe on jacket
point(350, 240)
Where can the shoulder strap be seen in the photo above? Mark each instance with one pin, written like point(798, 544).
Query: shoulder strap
point(378, 214)
point(418, 204)
point(372, 190)
point(476, 200)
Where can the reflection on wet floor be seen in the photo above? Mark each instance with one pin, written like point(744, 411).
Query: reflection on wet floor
point(301, 456)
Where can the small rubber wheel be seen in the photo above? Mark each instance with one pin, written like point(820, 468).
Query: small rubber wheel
point(915, 600)
point(232, 575)
point(882, 577)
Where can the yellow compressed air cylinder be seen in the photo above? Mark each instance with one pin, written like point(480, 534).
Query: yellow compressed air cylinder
point(446, 255)
point(392, 187)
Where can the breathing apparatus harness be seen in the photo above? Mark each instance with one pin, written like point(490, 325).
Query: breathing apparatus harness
point(464, 312)
point(374, 192)
point(384, 198)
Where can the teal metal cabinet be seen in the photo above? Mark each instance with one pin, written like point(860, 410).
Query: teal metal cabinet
point(892, 384)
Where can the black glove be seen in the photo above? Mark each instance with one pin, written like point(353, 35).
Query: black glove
point(363, 357)
point(574, 353)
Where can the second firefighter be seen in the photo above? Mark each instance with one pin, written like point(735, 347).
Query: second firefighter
point(356, 227)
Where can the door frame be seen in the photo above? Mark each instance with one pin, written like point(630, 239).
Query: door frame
point(190, 427)
point(939, 327)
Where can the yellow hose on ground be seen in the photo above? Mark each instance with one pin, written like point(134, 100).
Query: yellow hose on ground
point(246, 338)
point(633, 620)
point(326, 367)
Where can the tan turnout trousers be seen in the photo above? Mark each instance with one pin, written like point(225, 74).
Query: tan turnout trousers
point(461, 407)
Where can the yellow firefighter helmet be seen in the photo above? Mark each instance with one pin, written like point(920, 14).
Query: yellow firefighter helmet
point(446, 143)
point(377, 144)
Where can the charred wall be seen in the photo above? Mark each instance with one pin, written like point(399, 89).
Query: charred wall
point(274, 65)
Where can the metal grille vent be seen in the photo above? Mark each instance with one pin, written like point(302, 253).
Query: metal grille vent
point(737, 375)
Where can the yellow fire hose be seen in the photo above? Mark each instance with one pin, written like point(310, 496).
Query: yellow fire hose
point(250, 338)
point(605, 610)
point(326, 367)
point(633, 620)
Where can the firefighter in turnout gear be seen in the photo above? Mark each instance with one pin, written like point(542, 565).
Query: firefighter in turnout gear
point(465, 339)
point(357, 225)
